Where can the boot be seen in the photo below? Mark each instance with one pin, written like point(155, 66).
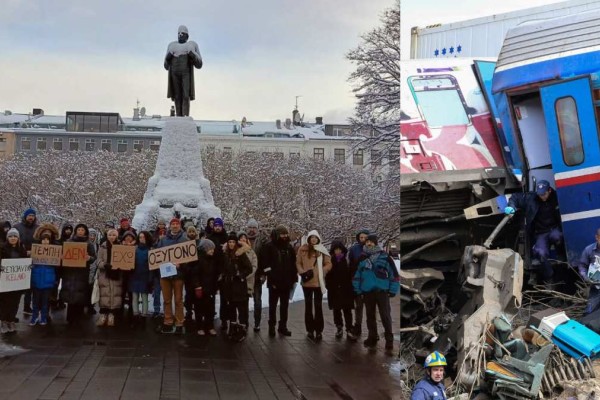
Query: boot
point(340, 332)
point(271, 331)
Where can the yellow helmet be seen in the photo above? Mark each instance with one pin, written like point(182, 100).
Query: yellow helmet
point(435, 359)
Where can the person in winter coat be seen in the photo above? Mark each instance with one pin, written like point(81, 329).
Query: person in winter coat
point(158, 234)
point(124, 227)
point(56, 302)
point(129, 238)
point(110, 282)
point(353, 259)
point(279, 258)
point(27, 228)
point(9, 301)
point(4, 228)
point(43, 277)
point(340, 294)
point(140, 280)
point(377, 280)
point(210, 224)
point(256, 241)
point(431, 387)
point(204, 284)
point(94, 240)
point(313, 263)
point(236, 269)
point(75, 280)
point(172, 287)
point(192, 234)
point(218, 236)
point(244, 247)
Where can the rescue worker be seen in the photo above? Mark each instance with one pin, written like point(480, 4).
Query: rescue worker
point(589, 269)
point(431, 386)
point(542, 219)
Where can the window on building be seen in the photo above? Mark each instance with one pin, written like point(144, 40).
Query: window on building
point(394, 156)
point(154, 145)
point(319, 154)
point(74, 144)
point(375, 157)
point(138, 145)
point(105, 145)
point(25, 143)
point(337, 131)
point(357, 158)
point(122, 145)
point(90, 144)
point(41, 143)
point(569, 131)
point(278, 155)
point(57, 144)
point(339, 155)
point(294, 154)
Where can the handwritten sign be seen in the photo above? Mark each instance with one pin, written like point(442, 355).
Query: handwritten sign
point(46, 254)
point(177, 254)
point(15, 275)
point(122, 257)
point(74, 254)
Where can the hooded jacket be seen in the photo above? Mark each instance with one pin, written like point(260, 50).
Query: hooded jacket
point(314, 259)
point(236, 269)
point(376, 273)
point(75, 280)
point(44, 276)
point(356, 250)
point(110, 281)
point(279, 262)
point(27, 230)
point(340, 293)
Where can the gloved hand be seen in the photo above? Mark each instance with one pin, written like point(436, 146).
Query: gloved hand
point(509, 210)
point(198, 292)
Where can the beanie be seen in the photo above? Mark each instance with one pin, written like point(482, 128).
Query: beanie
point(242, 233)
point(252, 223)
point(174, 220)
point(29, 211)
point(124, 219)
point(13, 232)
point(128, 233)
point(281, 230)
point(373, 238)
point(218, 222)
point(232, 236)
point(205, 245)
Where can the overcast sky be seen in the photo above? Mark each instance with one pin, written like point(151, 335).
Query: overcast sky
point(428, 12)
point(102, 55)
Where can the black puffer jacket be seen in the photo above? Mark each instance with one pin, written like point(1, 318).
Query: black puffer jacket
point(75, 280)
point(338, 281)
point(279, 261)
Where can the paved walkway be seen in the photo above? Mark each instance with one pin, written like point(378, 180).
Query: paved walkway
point(97, 363)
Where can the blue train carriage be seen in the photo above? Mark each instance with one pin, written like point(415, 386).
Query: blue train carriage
point(545, 92)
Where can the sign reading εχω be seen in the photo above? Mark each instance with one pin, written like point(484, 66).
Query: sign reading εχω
point(15, 274)
point(176, 254)
point(122, 257)
point(46, 254)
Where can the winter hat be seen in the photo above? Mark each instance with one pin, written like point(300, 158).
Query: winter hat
point(128, 233)
point(174, 220)
point(205, 245)
point(252, 223)
point(218, 222)
point(13, 232)
point(232, 236)
point(29, 211)
point(337, 244)
point(93, 232)
point(362, 231)
point(373, 238)
point(109, 224)
point(281, 230)
point(6, 224)
point(124, 219)
point(161, 221)
point(242, 233)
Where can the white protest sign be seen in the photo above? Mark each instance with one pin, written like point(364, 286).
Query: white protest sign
point(167, 270)
point(15, 274)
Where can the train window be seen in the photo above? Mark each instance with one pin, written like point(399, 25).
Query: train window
point(439, 100)
point(569, 131)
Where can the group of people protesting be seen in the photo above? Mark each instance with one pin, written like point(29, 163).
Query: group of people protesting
point(233, 264)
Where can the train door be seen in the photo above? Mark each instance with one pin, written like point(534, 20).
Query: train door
point(575, 153)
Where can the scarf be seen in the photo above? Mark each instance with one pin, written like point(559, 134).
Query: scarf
point(372, 255)
point(321, 250)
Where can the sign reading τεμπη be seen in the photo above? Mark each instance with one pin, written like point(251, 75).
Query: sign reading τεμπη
point(176, 254)
point(46, 254)
point(74, 254)
point(15, 274)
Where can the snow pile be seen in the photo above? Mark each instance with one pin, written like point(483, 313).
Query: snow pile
point(178, 183)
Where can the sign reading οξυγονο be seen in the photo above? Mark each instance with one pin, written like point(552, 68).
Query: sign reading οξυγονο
point(176, 254)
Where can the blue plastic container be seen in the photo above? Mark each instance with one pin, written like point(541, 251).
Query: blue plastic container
point(577, 340)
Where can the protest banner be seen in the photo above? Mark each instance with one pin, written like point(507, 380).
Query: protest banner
point(176, 254)
point(46, 254)
point(74, 254)
point(15, 274)
point(122, 257)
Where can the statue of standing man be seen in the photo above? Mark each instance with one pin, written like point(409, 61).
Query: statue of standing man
point(182, 56)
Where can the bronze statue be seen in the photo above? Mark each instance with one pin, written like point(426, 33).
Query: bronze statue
point(181, 57)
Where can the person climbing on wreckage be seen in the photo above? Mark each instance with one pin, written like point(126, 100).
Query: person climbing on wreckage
point(431, 386)
point(542, 219)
